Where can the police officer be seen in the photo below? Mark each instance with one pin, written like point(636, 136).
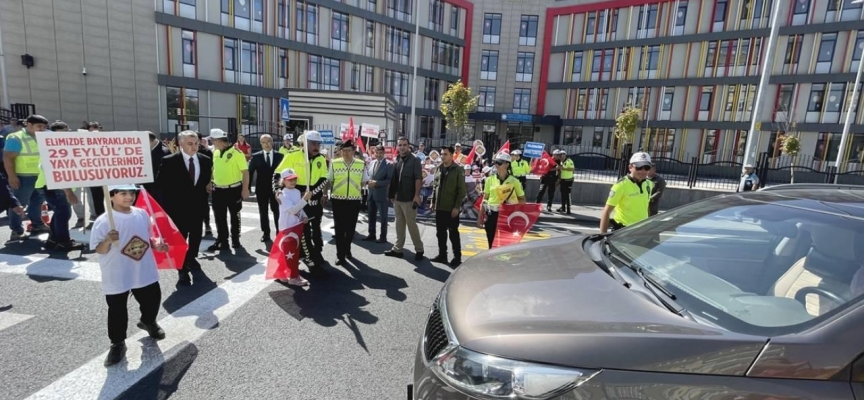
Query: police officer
point(565, 183)
point(21, 161)
point(230, 188)
point(749, 179)
point(60, 201)
point(520, 167)
point(348, 175)
point(630, 196)
point(548, 182)
point(312, 177)
point(500, 188)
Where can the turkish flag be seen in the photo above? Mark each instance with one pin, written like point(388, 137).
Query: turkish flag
point(470, 159)
point(360, 146)
point(514, 220)
point(540, 166)
point(479, 203)
point(349, 134)
point(504, 148)
point(284, 259)
point(162, 226)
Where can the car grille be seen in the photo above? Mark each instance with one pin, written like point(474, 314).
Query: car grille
point(435, 336)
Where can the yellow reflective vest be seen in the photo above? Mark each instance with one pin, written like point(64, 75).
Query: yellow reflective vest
point(27, 162)
point(347, 179)
point(296, 160)
point(520, 168)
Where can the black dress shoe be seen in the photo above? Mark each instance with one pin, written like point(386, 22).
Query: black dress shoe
point(368, 238)
point(351, 256)
point(154, 330)
point(115, 354)
point(394, 253)
point(456, 262)
point(184, 279)
point(418, 256)
point(193, 265)
point(235, 243)
point(340, 261)
point(265, 239)
point(441, 258)
point(217, 247)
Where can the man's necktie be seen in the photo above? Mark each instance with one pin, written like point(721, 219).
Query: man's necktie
point(377, 164)
point(192, 169)
point(267, 159)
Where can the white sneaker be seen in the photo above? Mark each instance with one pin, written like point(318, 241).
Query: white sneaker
point(298, 281)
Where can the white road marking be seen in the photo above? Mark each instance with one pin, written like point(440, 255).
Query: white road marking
point(52, 267)
point(184, 326)
point(8, 319)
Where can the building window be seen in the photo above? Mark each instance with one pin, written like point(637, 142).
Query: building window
point(572, 136)
point(817, 94)
point(681, 16)
point(249, 108)
point(283, 18)
point(339, 32)
point(623, 60)
point(577, 67)
point(757, 51)
point(454, 21)
point(396, 84)
point(249, 57)
point(486, 99)
point(399, 9)
point(835, 97)
point(668, 99)
point(528, 30)
point(826, 48)
point(230, 54)
point(188, 47)
point(653, 55)
point(802, 7)
point(187, 9)
point(602, 58)
point(524, 67)
point(827, 146)
point(370, 79)
point(431, 94)
point(492, 28)
point(793, 49)
point(283, 63)
point(355, 77)
point(647, 17)
point(307, 23)
point(610, 26)
point(427, 127)
point(591, 24)
point(756, 6)
point(705, 99)
point(859, 46)
point(784, 103)
point(436, 15)
point(398, 45)
point(522, 101)
point(323, 73)
point(489, 65)
point(445, 57)
point(174, 102)
point(372, 5)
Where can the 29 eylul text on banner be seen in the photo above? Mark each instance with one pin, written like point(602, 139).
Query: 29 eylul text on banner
point(79, 159)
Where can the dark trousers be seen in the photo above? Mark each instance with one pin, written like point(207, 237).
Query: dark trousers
point(98, 197)
point(230, 201)
point(191, 229)
point(345, 214)
point(375, 208)
point(207, 215)
point(59, 224)
point(267, 199)
point(445, 225)
point(313, 243)
point(615, 225)
point(565, 186)
point(546, 187)
point(491, 226)
point(523, 180)
point(148, 297)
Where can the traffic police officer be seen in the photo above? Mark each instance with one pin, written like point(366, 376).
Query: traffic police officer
point(566, 182)
point(21, 161)
point(630, 196)
point(500, 188)
point(348, 176)
point(520, 167)
point(312, 177)
point(230, 188)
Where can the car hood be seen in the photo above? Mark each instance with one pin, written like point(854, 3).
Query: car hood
point(548, 302)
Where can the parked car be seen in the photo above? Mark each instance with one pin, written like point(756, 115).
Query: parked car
point(803, 186)
point(742, 296)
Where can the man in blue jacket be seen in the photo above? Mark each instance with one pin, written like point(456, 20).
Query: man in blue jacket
point(380, 174)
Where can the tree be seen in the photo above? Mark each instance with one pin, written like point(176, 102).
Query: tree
point(789, 141)
point(456, 103)
point(627, 123)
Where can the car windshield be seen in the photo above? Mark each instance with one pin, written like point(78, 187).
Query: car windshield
point(763, 265)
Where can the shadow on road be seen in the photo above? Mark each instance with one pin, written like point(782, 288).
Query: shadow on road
point(162, 382)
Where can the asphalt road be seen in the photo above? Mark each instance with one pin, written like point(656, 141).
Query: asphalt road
point(231, 335)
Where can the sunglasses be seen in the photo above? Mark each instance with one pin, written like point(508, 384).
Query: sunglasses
point(499, 163)
point(643, 168)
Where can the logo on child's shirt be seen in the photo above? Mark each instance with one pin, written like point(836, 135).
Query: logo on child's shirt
point(136, 248)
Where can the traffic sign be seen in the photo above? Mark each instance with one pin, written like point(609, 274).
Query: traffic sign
point(285, 109)
point(533, 150)
point(382, 136)
point(327, 138)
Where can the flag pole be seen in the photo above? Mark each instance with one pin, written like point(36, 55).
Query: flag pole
point(108, 209)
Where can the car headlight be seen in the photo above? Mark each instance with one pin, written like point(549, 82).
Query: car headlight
point(490, 377)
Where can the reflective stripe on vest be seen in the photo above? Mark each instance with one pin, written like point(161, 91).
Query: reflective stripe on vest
point(27, 162)
point(347, 179)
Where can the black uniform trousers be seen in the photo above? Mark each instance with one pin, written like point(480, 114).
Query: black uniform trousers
point(191, 229)
point(267, 199)
point(313, 243)
point(565, 186)
point(228, 200)
point(523, 180)
point(345, 214)
point(547, 185)
point(98, 196)
point(491, 226)
point(148, 297)
point(445, 225)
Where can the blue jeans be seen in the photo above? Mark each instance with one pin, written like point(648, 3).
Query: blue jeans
point(377, 207)
point(30, 198)
point(62, 213)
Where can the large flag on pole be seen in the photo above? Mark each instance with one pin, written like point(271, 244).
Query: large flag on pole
point(163, 227)
point(540, 166)
point(514, 220)
point(505, 148)
point(284, 259)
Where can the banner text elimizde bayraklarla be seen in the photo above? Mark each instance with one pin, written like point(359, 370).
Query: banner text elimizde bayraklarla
point(101, 159)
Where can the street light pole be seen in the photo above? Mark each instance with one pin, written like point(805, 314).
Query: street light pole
point(749, 150)
point(412, 131)
point(847, 124)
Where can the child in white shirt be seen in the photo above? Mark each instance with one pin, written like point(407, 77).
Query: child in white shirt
point(291, 213)
point(127, 264)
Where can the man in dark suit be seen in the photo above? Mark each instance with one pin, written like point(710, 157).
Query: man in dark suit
point(187, 176)
point(158, 151)
point(262, 165)
point(380, 174)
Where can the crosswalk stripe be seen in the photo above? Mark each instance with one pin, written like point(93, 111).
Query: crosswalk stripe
point(50, 267)
point(9, 319)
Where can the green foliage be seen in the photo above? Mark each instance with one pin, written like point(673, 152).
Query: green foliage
point(791, 145)
point(456, 103)
point(627, 123)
